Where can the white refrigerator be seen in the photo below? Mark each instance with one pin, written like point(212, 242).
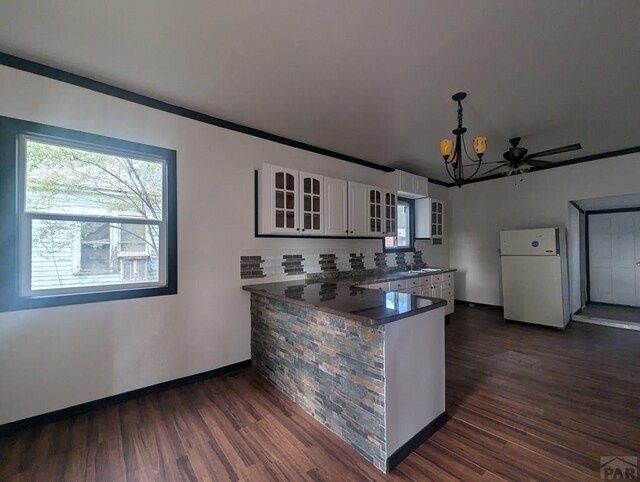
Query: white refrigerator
point(535, 286)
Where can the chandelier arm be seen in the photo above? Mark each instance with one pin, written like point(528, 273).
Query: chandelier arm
point(464, 145)
point(446, 164)
point(477, 169)
point(478, 162)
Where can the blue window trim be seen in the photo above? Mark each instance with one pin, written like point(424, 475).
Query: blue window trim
point(412, 244)
point(10, 299)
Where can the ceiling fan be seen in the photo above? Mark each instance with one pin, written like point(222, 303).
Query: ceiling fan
point(517, 161)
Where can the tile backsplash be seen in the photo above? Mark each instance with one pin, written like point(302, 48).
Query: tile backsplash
point(260, 266)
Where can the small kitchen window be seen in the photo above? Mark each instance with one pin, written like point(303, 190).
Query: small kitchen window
point(403, 240)
point(95, 217)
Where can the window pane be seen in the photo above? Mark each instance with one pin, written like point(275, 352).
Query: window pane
point(279, 180)
point(291, 220)
point(279, 219)
point(291, 200)
point(69, 254)
point(280, 199)
point(404, 225)
point(66, 180)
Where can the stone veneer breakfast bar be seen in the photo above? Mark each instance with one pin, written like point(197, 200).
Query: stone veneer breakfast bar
point(367, 364)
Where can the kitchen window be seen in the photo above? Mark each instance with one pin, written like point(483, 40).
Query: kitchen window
point(95, 217)
point(403, 240)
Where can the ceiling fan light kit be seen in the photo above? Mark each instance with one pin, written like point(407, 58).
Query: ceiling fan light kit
point(452, 151)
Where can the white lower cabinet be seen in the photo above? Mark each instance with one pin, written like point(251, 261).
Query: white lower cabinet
point(439, 286)
point(379, 286)
point(433, 286)
point(398, 285)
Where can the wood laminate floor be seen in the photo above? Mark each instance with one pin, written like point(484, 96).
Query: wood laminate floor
point(525, 403)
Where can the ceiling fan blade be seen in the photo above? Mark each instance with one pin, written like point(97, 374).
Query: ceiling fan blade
point(536, 162)
point(557, 150)
point(495, 168)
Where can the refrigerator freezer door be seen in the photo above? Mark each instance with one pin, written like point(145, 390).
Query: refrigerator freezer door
point(529, 242)
point(532, 290)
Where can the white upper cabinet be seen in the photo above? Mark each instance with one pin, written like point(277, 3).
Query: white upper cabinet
point(311, 204)
point(375, 211)
point(429, 218)
point(406, 181)
point(421, 186)
point(292, 202)
point(407, 184)
point(422, 218)
point(390, 213)
point(278, 196)
point(437, 218)
point(335, 207)
point(358, 203)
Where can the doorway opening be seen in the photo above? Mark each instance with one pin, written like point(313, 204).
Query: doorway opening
point(608, 262)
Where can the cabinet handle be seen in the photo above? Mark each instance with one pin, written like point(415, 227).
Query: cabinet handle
point(297, 229)
point(302, 229)
point(347, 231)
point(351, 232)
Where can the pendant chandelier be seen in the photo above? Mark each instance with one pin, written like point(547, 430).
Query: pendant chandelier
point(452, 151)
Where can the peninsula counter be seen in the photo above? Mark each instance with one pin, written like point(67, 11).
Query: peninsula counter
point(368, 364)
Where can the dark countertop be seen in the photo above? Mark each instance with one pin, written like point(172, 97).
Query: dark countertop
point(397, 275)
point(342, 298)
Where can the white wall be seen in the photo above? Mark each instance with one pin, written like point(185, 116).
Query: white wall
point(414, 375)
point(482, 209)
point(58, 357)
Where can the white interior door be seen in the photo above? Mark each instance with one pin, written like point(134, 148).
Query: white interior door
point(614, 254)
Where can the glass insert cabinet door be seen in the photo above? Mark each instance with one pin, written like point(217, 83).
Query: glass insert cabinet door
point(285, 192)
point(437, 213)
point(311, 204)
point(391, 213)
point(375, 211)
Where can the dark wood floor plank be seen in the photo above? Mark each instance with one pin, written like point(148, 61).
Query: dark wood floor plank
point(525, 402)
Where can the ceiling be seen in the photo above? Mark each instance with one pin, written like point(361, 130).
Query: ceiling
point(368, 78)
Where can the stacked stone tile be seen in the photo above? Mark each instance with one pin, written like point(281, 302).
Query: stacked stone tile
point(329, 365)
